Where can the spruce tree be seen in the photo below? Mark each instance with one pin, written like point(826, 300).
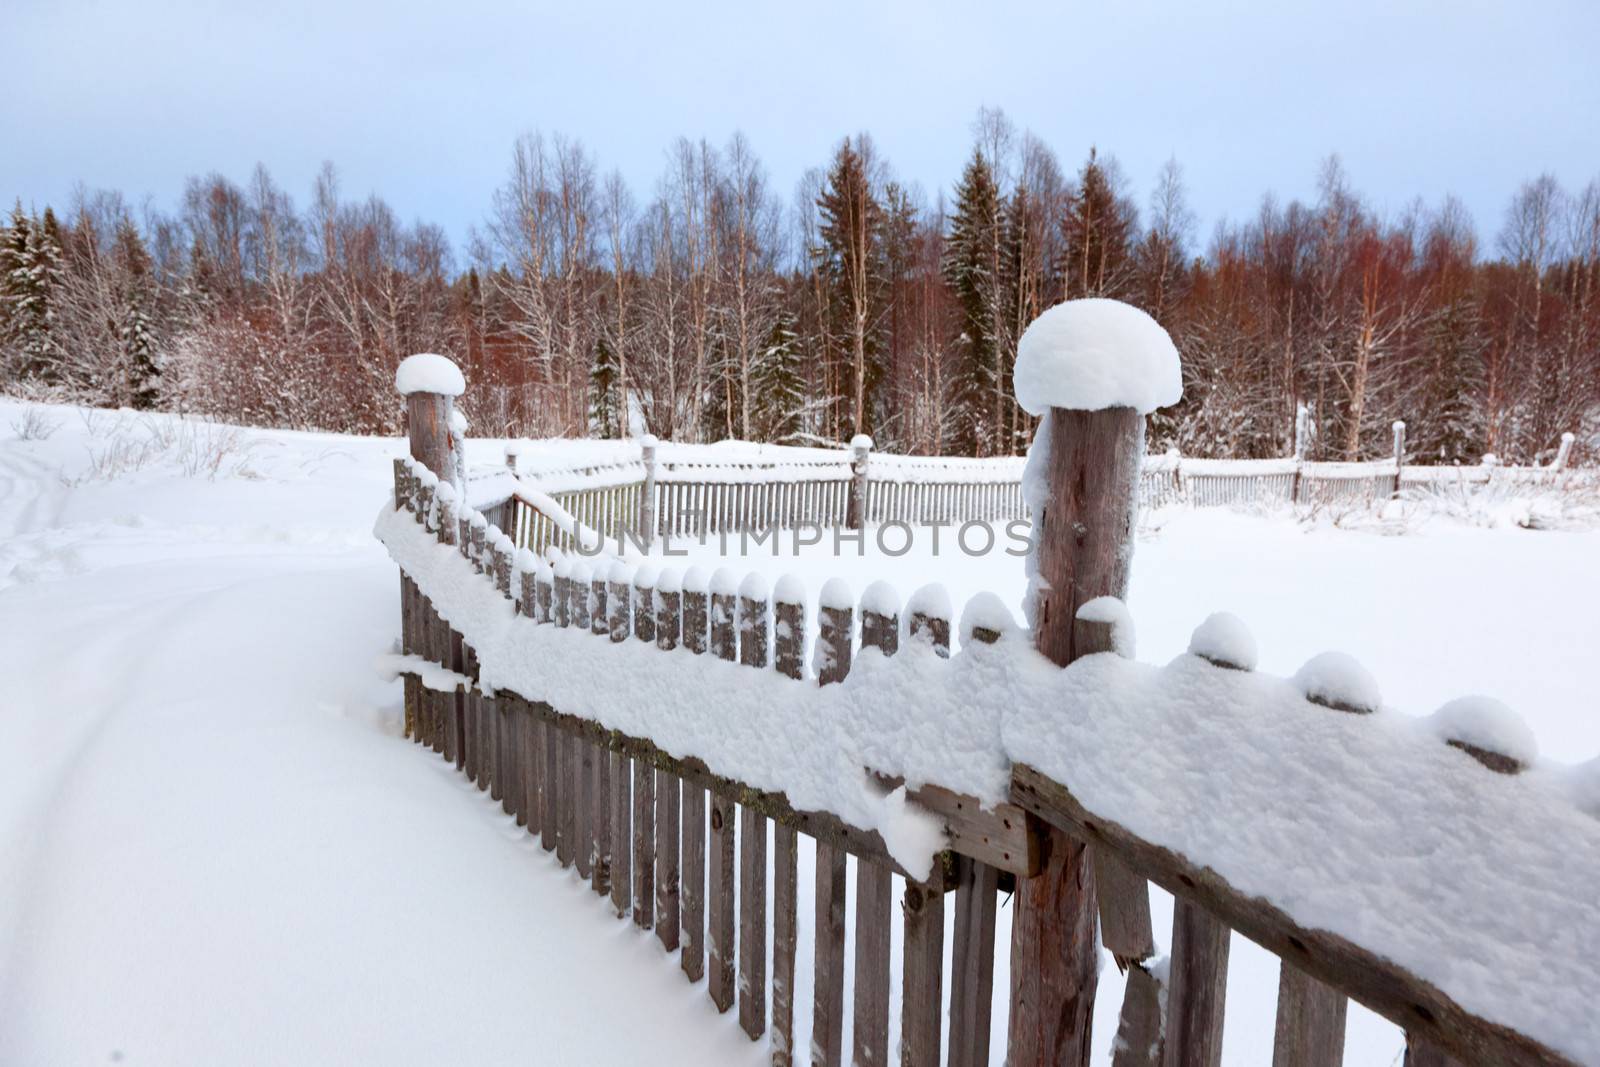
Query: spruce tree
point(13, 277)
point(605, 407)
point(1098, 234)
point(136, 328)
point(969, 268)
point(779, 382)
point(852, 253)
point(31, 291)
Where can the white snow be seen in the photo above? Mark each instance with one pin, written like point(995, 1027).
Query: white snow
point(171, 636)
point(790, 589)
point(932, 600)
point(754, 587)
point(1224, 639)
point(1485, 723)
point(836, 594)
point(669, 580)
point(427, 372)
point(696, 580)
point(724, 582)
point(861, 443)
point(1336, 678)
point(1086, 355)
point(881, 598)
point(646, 575)
point(985, 611)
point(1111, 611)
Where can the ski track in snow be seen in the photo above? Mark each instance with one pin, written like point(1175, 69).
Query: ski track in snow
point(216, 848)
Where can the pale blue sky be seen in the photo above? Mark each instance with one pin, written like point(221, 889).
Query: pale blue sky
point(420, 101)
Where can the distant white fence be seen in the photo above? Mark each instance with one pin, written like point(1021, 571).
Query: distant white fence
point(653, 490)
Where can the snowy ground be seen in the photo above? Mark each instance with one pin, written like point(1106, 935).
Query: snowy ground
point(216, 848)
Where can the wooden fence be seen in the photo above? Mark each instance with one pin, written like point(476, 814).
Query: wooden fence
point(695, 491)
point(656, 833)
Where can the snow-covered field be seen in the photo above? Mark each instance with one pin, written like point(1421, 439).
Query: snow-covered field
point(215, 847)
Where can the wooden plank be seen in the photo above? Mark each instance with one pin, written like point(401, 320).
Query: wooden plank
point(667, 878)
point(1361, 974)
point(621, 834)
point(533, 760)
point(550, 793)
point(1004, 837)
point(692, 884)
point(1420, 1053)
point(1311, 1018)
point(1124, 900)
point(785, 929)
point(566, 798)
point(1198, 986)
point(752, 923)
point(870, 1020)
point(828, 962)
point(719, 900)
point(972, 963)
point(601, 798)
point(922, 975)
point(644, 845)
point(583, 757)
point(1141, 1030)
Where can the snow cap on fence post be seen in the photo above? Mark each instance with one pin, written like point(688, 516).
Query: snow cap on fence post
point(695, 609)
point(880, 618)
point(928, 615)
point(1104, 624)
point(985, 620)
point(1335, 680)
point(669, 608)
point(1488, 731)
point(430, 383)
point(1093, 369)
point(1224, 640)
point(835, 631)
point(789, 626)
point(754, 611)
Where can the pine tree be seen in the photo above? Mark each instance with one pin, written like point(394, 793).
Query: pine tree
point(851, 233)
point(13, 277)
point(779, 382)
point(969, 267)
point(605, 407)
point(1098, 232)
point(136, 330)
point(32, 282)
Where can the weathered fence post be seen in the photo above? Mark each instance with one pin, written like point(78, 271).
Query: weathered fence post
point(1302, 441)
point(647, 491)
point(1399, 453)
point(1084, 504)
point(880, 629)
point(1563, 452)
point(835, 640)
point(856, 508)
point(430, 385)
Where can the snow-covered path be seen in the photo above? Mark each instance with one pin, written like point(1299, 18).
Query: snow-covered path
point(215, 847)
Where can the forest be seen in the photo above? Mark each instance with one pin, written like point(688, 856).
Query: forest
point(718, 306)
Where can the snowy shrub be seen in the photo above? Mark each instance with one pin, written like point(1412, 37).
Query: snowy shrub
point(34, 426)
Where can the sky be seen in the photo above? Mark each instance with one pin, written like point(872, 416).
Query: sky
point(420, 102)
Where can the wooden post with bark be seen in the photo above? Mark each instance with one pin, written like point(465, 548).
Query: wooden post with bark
point(1083, 547)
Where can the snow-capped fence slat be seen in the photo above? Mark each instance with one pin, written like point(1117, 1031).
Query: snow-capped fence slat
point(586, 787)
point(880, 629)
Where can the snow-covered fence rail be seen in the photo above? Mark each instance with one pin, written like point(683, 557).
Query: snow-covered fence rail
point(647, 725)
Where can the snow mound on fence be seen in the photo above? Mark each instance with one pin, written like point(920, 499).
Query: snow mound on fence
point(427, 372)
point(1087, 355)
